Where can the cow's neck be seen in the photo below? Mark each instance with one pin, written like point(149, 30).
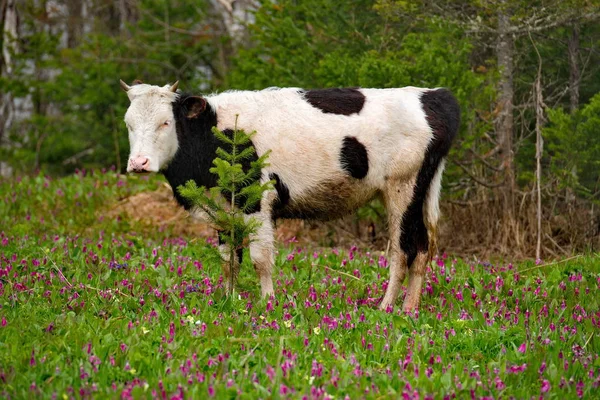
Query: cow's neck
point(196, 152)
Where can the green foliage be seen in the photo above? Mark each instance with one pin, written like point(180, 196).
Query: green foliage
point(573, 146)
point(77, 105)
point(291, 41)
point(240, 186)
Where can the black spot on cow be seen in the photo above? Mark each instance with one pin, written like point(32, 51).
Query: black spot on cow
point(283, 193)
point(197, 150)
point(346, 101)
point(354, 157)
point(443, 116)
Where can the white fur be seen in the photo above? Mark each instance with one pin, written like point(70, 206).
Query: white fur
point(432, 203)
point(149, 136)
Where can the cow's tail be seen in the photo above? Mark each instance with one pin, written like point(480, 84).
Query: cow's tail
point(431, 207)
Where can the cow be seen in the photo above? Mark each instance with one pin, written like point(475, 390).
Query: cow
point(331, 152)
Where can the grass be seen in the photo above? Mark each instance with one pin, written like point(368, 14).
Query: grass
point(92, 306)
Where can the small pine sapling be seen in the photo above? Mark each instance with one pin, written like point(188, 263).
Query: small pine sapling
point(238, 190)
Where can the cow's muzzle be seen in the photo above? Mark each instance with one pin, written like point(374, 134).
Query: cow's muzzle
point(139, 165)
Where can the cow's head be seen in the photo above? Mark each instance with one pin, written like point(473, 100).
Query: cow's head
point(151, 125)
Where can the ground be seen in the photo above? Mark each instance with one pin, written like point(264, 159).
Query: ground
point(96, 301)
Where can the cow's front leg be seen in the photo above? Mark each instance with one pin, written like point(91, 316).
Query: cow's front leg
point(262, 247)
point(261, 253)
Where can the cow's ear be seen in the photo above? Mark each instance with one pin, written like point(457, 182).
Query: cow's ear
point(194, 106)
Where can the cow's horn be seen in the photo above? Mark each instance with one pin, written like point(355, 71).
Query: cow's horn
point(174, 87)
point(124, 86)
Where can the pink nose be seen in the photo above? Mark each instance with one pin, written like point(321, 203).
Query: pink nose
point(139, 164)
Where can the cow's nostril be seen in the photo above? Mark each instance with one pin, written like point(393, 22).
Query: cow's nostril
point(140, 163)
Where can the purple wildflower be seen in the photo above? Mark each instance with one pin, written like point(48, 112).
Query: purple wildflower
point(545, 386)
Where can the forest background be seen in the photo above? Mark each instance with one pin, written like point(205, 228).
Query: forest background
point(523, 178)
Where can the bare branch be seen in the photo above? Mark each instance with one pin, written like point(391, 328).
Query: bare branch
point(477, 180)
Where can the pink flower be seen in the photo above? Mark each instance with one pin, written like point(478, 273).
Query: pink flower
point(270, 372)
point(500, 385)
point(545, 386)
point(523, 348)
point(3, 322)
point(382, 262)
point(283, 390)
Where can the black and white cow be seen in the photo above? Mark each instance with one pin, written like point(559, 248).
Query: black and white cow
point(332, 150)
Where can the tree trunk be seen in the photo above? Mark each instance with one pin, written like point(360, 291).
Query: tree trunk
point(9, 22)
point(539, 149)
point(574, 72)
point(505, 120)
point(107, 16)
point(236, 14)
point(74, 22)
point(128, 10)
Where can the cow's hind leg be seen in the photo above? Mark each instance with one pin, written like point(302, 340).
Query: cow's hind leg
point(419, 223)
point(397, 197)
point(419, 227)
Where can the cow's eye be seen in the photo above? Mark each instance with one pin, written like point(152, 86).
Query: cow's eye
point(166, 123)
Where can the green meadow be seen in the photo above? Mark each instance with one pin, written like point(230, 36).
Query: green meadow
point(93, 306)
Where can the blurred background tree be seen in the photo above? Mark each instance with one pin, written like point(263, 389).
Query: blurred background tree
point(526, 74)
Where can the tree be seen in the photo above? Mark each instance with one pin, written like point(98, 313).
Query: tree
point(501, 29)
point(64, 75)
point(8, 45)
point(241, 187)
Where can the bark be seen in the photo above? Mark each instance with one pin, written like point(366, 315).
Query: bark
point(9, 22)
point(505, 120)
point(40, 105)
point(236, 14)
point(539, 148)
point(129, 13)
point(107, 16)
point(74, 22)
point(574, 71)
